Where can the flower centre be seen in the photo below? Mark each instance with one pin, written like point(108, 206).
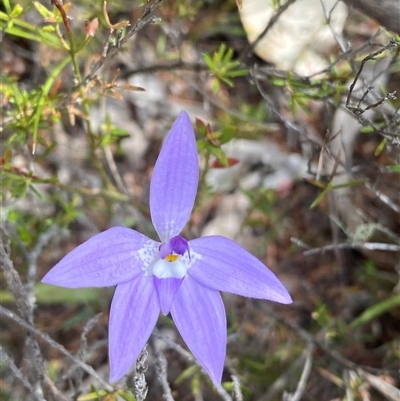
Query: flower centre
point(173, 248)
point(171, 257)
point(172, 262)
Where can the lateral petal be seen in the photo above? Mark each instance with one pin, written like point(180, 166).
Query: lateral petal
point(226, 266)
point(111, 257)
point(199, 315)
point(133, 315)
point(175, 178)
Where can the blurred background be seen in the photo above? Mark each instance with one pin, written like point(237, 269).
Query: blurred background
point(297, 121)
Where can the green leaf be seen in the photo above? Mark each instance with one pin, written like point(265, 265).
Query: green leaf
point(126, 396)
point(376, 310)
point(330, 187)
point(394, 167)
point(354, 183)
point(321, 196)
point(93, 396)
point(381, 147)
point(220, 155)
point(23, 29)
point(7, 6)
point(43, 11)
point(48, 294)
point(191, 370)
point(17, 11)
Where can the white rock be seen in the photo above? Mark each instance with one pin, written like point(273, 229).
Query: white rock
point(300, 37)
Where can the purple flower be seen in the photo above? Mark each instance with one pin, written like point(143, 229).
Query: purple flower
point(174, 275)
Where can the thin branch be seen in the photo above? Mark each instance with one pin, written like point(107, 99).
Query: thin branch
point(88, 369)
point(161, 367)
point(173, 66)
point(371, 246)
point(236, 388)
point(32, 257)
point(372, 56)
point(288, 124)
point(113, 50)
point(190, 358)
point(83, 350)
point(59, 396)
point(390, 392)
point(282, 381)
point(308, 352)
point(307, 337)
point(383, 198)
point(17, 373)
point(25, 308)
point(339, 39)
point(270, 24)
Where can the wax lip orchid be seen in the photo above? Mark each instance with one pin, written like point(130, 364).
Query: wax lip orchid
point(172, 276)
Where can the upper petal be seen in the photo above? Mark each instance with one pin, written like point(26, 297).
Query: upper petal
point(133, 315)
point(111, 257)
point(199, 315)
point(174, 183)
point(226, 266)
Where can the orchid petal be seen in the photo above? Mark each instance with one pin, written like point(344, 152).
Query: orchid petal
point(174, 183)
point(199, 315)
point(226, 266)
point(133, 315)
point(111, 257)
point(166, 290)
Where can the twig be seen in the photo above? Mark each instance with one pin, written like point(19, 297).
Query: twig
point(190, 358)
point(17, 373)
point(59, 396)
point(82, 352)
point(389, 391)
point(371, 246)
point(88, 369)
point(114, 170)
point(32, 257)
point(25, 308)
point(383, 198)
point(355, 109)
point(299, 243)
point(347, 383)
point(270, 24)
point(307, 337)
point(309, 351)
point(173, 66)
point(236, 388)
point(339, 39)
point(281, 382)
point(161, 367)
point(288, 124)
point(88, 326)
point(113, 50)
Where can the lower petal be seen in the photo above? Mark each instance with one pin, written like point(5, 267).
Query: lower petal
point(133, 315)
point(166, 290)
point(199, 315)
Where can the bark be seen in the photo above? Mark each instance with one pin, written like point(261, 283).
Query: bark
point(385, 12)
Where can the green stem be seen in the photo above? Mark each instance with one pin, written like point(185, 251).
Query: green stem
point(202, 180)
point(45, 91)
point(85, 104)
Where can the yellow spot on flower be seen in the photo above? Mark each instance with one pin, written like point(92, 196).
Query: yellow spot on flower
point(171, 257)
